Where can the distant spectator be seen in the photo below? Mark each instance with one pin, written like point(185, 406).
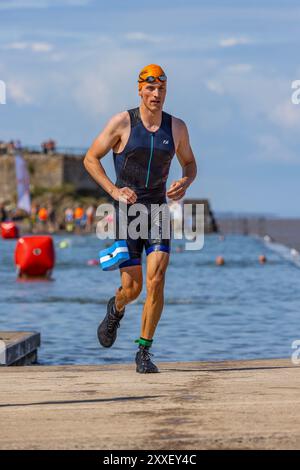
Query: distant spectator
point(11, 147)
point(43, 214)
point(3, 147)
point(3, 213)
point(34, 212)
point(90, 216)
point(18, 145)
point(49, 146)
point(43, 217)
point(34, 215)
point(69, 218)
point(44, 147)
point(52, 218)
point(78, 216)
point(83, 221)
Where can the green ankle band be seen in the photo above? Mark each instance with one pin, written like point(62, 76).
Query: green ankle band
point(144, 342)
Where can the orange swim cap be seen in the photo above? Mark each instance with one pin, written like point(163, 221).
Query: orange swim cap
point(150, 70)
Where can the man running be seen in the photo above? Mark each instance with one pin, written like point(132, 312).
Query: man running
point(144, 141)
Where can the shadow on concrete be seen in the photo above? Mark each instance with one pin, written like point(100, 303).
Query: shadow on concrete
point(67, 402)
point(230, 369)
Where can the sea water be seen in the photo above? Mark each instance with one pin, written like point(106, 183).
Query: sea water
point(241, 310)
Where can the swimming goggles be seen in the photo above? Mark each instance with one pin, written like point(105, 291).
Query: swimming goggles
point(152, 79)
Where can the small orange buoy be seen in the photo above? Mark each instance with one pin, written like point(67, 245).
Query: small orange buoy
point(9, 230)
point(34, 256)
point(262, 259)
point(220, 261)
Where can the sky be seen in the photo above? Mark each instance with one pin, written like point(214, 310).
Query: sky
point(69, 65)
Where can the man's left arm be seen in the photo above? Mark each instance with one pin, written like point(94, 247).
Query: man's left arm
point(187, 161)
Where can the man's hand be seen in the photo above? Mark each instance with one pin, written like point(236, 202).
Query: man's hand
point(178, 188)
point(126, 195)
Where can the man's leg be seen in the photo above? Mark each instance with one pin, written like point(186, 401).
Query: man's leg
point(132, 283)
point(131, 286)
point(157, 263)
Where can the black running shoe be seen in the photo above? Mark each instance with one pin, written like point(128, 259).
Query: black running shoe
point(107, 330)
point(144, 365)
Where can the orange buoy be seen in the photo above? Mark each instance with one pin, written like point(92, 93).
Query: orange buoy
point(34, 256)
point(220, 261)
point(9, 230)
point(262, 259)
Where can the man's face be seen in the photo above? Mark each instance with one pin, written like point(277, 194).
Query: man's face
point(153, 95)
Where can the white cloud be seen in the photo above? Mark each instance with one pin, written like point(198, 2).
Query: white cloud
point(143, 37)
point(263, 102)
point(107, 85)
point(219, 85)
point(271, 148)
point(234, 41)
point(18, 94)
point(93, 94)
point(287, 114)
point(215, 86)
point(257, 95)
point(16, 45)
point(57, 57)
point(23, 4)
point(239, 68)
point(41, 47)
point(32, 46)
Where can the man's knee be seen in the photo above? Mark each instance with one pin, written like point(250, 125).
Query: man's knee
point(156, 281)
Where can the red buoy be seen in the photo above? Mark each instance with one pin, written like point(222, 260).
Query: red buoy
point(9, 230)
point(34, 256)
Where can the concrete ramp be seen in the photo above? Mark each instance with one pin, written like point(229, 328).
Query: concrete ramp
point(199, 405)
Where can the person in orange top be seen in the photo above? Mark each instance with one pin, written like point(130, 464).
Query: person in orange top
point(78, 216)
point(78, 213)
point(42, 217)
point(43, 214)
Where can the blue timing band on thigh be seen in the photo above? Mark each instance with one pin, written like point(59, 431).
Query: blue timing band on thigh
point(157, 247)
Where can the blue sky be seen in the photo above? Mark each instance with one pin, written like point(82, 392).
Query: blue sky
point(71, 64)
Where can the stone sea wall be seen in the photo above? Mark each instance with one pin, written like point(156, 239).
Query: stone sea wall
point(49, 172)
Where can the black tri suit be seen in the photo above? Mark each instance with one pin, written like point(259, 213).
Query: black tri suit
point(143, 166)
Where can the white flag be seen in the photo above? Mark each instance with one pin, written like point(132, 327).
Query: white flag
point(22, 184)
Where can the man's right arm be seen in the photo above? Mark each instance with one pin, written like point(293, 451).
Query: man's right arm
point(103, 143)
